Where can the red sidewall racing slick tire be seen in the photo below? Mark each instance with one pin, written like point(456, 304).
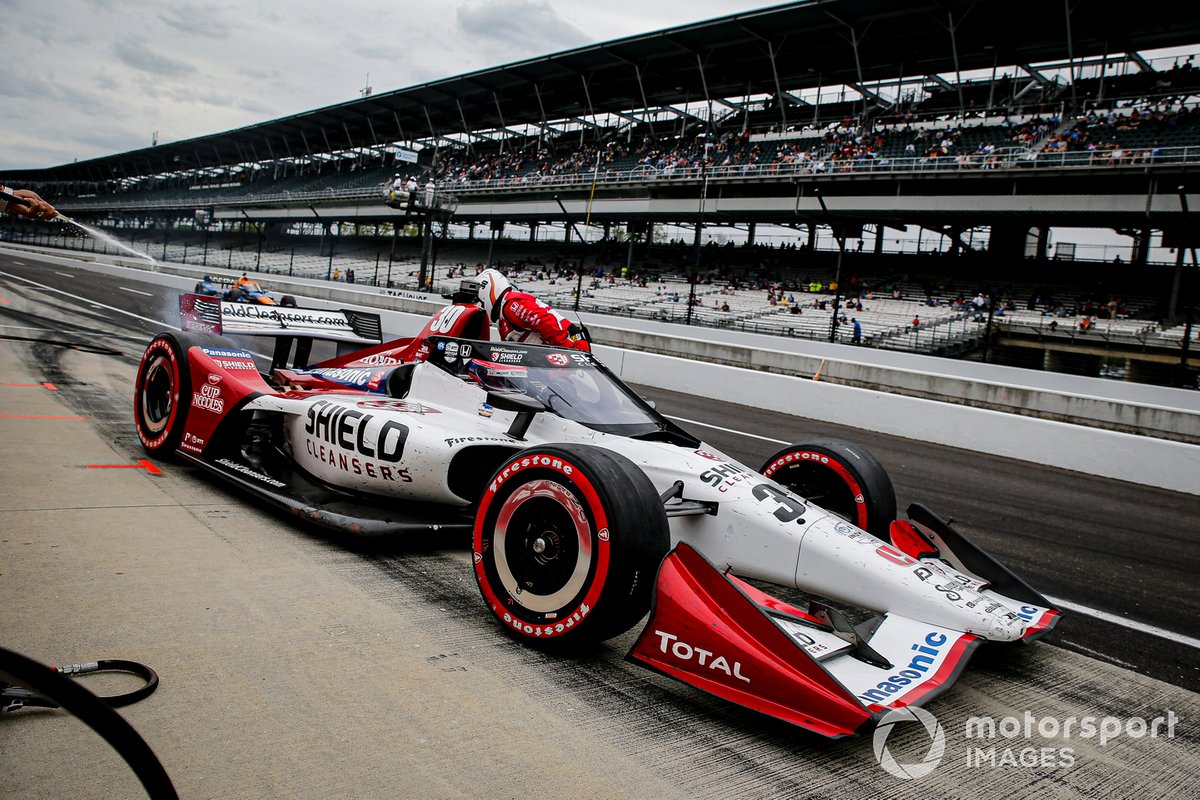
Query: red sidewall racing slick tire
point(568, 540)
point(163, 389)
point(840, 477)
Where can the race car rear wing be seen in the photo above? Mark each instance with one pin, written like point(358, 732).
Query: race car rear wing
point(350, 329)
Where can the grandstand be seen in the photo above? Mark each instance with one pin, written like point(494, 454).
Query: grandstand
point(783, 130)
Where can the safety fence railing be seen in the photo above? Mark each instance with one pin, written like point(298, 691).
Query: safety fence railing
point(1013, 159)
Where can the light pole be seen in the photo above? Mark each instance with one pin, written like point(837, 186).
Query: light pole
point(837, 272)
point(579, 269)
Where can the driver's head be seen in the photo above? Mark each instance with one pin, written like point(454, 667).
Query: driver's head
point(492, 286)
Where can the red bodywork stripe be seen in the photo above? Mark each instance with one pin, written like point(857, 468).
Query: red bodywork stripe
point(705, 632)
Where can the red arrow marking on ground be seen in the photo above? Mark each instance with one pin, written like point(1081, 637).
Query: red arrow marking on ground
point(49, 386)
point(142, 464)
point(2, 300)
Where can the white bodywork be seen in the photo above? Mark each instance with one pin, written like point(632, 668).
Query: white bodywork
point(403, 448)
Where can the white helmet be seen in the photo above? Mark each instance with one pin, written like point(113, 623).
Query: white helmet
point(492, 286)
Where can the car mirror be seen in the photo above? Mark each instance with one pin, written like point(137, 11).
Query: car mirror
point(525, 407)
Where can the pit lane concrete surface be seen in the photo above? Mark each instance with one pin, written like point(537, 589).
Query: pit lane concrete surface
point(294, 665)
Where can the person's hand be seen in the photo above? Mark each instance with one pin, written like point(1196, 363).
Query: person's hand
point(37, 208)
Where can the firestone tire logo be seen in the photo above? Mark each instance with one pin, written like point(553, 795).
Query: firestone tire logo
point(937, 747)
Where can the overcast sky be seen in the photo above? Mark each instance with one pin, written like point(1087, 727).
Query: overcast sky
point(87, 78)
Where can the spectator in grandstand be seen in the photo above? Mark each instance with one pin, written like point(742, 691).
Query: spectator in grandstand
point(916, 323)
point(26, 203)
point(856, 336)
point(522, 317)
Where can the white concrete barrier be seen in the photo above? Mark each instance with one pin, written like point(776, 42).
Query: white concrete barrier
point(1127, 457)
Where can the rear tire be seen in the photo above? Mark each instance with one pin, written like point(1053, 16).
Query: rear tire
point(841, 478)
point(162, 391)
point(567, 543)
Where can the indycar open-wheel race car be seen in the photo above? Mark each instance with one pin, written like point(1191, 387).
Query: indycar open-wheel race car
point(587, 509)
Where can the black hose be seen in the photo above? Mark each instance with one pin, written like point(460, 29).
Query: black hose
point(98, 716)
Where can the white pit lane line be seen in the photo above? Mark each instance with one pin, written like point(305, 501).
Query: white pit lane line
point(87, 300)
point(135, 291)
point(1066, 605)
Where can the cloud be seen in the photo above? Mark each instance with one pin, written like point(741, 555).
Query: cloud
point(137, 55)
point(196, 20)
point(528, 26)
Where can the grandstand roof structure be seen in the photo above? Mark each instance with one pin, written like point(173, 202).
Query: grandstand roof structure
point(774, 51)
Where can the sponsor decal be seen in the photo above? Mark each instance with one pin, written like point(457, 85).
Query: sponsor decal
point(225, 363)
point(542, 630)
point(214, 353)
point(558, 359)
point(928, 650)
point(407, 406)
point(351, 429)
point(725, 476)
point(377, 377)
point(531, 462)
point(465, 351)
point(486, 410)
point(345, 375)
point(507, 356)
point(1029, 613)
point(284, 316)
point(899, 557)
point(242, 468)
point(353, 465)
point(708, 455)
point(953, 585)
point(451, 351)
point(209, 397)
point(441, 345)
point(191, 442)
point(457, 440)
point(378, 360)
point(783, 461)
point(669, 642)
point(603, 534)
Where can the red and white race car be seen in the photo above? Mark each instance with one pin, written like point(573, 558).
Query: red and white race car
point(588, 509)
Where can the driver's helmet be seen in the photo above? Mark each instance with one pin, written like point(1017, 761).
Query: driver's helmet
point(492, 286)
point(495, 377)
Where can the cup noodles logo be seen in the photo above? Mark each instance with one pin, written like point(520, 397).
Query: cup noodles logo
point(209, 397)
point(558, 359)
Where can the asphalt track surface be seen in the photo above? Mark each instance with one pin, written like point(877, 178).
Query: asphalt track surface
point(1122, 549)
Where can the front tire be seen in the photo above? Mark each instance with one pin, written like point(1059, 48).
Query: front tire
point(841, 478)
point(567, 542)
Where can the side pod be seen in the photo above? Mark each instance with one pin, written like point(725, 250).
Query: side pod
point(704, 631)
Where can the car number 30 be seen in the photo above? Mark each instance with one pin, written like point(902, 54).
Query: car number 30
point(446, 318)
